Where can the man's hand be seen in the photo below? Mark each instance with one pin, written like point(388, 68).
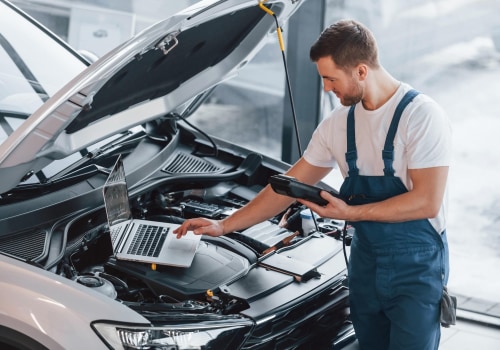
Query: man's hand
point(201, 226)
point(335, 208)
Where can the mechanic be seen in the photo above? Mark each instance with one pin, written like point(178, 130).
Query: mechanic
point(393, 148)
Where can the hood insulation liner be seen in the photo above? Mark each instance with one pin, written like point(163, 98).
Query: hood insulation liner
point(154, 74)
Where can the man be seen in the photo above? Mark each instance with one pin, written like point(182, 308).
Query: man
point(392, 145)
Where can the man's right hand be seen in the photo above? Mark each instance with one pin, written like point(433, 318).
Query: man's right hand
point(201, 226)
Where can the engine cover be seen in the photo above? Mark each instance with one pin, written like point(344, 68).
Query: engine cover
point(212, 266)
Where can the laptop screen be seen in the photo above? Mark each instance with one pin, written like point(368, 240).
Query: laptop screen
point(115, 195)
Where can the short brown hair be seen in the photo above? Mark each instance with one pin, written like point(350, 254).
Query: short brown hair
point(348, 43)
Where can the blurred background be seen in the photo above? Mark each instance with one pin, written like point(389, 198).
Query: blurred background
point(448, 49)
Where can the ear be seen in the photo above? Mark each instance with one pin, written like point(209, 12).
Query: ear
point(361, 71)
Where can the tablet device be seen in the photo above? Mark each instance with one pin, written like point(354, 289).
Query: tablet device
point(289, 186)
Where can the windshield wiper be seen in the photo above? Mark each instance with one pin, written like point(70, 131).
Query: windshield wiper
point(30, 190)
point(76, 172)
point(115, 146)
point(23, 68)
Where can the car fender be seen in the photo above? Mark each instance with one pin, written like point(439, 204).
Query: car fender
point(55, 311)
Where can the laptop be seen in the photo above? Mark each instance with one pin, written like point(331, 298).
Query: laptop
point(142, 240)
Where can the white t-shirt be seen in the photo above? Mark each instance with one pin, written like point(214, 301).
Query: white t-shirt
point(423, 140)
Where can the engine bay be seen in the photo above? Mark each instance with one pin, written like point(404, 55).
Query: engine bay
point(227, 274)
point(218, 261)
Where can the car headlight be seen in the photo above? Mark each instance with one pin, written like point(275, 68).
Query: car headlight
point(203, 336)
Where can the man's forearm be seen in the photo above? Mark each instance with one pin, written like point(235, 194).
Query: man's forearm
point(401, 208)
point(423, 201)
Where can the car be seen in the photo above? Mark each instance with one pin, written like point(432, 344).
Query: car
point(66, 125)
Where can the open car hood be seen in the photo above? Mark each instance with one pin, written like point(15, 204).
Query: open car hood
point(150, 75)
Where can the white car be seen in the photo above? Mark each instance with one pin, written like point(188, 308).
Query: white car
point(65, 123)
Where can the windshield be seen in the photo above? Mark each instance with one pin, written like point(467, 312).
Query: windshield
point(33, 66)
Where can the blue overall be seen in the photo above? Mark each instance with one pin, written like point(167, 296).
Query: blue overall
point(396, 270)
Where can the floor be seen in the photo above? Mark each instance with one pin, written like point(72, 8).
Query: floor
point(482, 333)
point(470, 336)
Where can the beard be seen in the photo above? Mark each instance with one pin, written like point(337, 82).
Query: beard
point(354, 95)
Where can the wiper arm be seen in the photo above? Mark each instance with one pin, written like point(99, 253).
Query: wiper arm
point(23, 68)
point(77, 172)
point(92, 156)
point(86, 166)
point(25, 191)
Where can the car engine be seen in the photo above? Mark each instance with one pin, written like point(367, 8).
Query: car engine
point(89, 261)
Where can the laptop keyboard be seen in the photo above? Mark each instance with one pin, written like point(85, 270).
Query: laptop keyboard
point(114, 231)
point(148, 240)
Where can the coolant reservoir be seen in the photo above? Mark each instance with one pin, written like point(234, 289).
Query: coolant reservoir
point(308, 225)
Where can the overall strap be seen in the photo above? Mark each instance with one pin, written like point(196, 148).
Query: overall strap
point(388, 151)
point(351, 156)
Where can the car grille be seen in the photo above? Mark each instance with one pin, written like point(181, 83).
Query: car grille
point(312, 324)
point(28, 246)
